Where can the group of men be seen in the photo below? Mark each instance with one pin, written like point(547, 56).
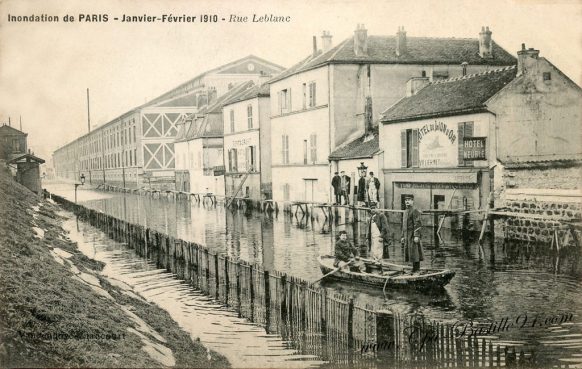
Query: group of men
point(368, 189)
point(347, 256)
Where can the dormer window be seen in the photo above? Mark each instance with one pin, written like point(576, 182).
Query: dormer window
point(547, 76)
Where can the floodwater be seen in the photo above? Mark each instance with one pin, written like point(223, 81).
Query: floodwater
point(525, 284)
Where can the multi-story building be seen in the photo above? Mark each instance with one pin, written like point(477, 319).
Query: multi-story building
point(200, 144)
point(247, 144)
point(323, 102)
point(138, 146)
point(446, 143)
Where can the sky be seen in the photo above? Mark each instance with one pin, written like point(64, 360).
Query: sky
point(46, 68)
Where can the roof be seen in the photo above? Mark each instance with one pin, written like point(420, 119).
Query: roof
point(461, 95)
point(253, 92)
point(202, 126)
point(6, 128)
point(361, 147)
point(543, 161)
point(20, 158)
point(420, 50)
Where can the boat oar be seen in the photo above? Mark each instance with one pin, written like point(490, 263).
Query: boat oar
point(330, 273)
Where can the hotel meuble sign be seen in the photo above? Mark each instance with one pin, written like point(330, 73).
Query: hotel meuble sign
point(474, 148)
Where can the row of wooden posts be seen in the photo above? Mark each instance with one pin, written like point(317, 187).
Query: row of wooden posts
point(329, 325)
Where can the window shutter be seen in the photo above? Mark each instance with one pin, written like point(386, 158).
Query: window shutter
point(415, 148)
point(280, 99)
point(286, 149)
point(403, 147)
point(461, 135)
point(469, 127)
point(289, 109)
point(283, 149)
point(314, 100)
point(247, 158)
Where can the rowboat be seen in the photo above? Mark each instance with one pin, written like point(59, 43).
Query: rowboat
point(388, 275)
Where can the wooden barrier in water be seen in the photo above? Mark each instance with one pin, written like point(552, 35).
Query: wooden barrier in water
point(321, 323)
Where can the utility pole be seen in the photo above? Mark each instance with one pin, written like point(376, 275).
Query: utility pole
point(88, 113)
point(21, 124)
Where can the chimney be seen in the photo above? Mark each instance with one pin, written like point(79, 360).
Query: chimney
point(485, 43)
point(526, 58)
point(326, 41)
point(360, 40)
point(401, 48)
point(211, 95)
point(416, 84)
point(314, 46)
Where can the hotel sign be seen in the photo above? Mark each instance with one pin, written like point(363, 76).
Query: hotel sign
point(474, 148)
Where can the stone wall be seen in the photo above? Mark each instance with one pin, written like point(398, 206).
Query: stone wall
point(548, 178)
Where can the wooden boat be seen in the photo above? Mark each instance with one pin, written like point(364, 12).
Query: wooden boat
point(388, 275)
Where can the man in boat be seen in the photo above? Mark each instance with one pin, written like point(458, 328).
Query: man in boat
point(411, 226)
point(346, 255)
point(378, 235)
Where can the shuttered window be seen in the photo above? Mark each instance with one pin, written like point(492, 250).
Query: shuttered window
point(465, 129)
point(313, 147)
point(250, 116)
point(409, 148)
point(285, 149)
point(312, 94)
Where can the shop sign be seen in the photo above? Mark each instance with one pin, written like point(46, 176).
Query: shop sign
point(474, 148)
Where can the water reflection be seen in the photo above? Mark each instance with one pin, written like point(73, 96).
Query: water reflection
point(501, 279)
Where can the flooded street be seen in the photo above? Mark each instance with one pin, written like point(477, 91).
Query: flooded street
point(522, 283)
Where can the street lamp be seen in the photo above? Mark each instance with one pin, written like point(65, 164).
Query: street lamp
point(362, 169)
point(79, 184)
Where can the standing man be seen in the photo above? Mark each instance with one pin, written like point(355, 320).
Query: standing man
point(345, 187)
point(335, 183)
point(411, 226)
point(373, 187)
point(362, 191)
point(378, 235)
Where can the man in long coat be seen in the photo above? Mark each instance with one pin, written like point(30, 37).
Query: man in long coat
point(378, 235)
point(335, 183)
point(411, 226)
point(362, 191)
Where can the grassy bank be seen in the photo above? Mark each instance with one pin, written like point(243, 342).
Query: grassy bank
point(56, 310)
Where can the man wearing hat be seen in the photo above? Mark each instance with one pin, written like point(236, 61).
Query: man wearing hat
point(346, 253)
point(335, 183)
point(345, 187)
point(411, 226)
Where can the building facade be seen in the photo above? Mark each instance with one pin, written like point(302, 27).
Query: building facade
point(12, 142)
point(324, 101)
point(137, 148)
point(448, 143)
point(247, 145)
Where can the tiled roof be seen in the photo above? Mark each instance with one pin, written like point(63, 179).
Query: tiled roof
point(542, 161)
point(205, 127)
point(21, 158)
point(251, 93)
point(461, 95)
point(362, 147)
point(420, 50)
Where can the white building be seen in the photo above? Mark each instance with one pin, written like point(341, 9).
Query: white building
point(247, 144)
point(320, 104)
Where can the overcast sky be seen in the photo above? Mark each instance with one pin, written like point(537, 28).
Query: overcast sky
point(45, 68)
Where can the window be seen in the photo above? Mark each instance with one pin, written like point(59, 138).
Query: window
point(547, 76)
point(465, 130)
point(232, 160)
point(304, 96)
point(285, 101)
point(311, 94)
point(285, 149)
point(313, 147)
point(232, 121)
point(135, 156)
point(409, 148)
point(250, 116)
point(304, 151)
point(15, 145)
point(250, 158)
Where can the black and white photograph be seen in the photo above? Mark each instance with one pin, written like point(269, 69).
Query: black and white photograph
point(290, 184)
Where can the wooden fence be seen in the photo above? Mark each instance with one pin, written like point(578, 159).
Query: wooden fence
point(317, 322)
